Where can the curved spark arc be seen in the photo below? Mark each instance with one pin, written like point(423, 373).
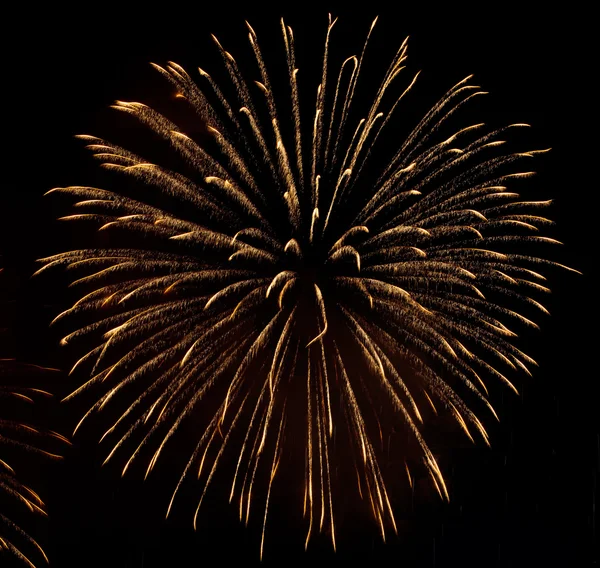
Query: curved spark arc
point(286, 262)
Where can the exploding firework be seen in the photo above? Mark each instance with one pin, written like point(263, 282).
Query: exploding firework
point(16, 441)
point(301, 283)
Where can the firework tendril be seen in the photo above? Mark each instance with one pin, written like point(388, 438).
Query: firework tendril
point(18, 440)
point(309, 273)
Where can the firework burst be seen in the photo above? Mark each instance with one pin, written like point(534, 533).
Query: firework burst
point(306, 273)
point(17, 440)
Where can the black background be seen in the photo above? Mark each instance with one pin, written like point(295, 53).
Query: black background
point(529, 501)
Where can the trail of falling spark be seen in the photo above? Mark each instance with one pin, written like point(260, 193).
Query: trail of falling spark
point(309, 449)
point(275, 465)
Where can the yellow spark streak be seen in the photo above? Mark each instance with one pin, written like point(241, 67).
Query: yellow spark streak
point(349, 233)
point(461, 422)
point(284, 275)
point(323, 314)
point(292, 244)
point(285, 288)
point(314, 219)
point(410, 481)
point(274, 466)
point(327, 394)
point(276, 365)
point(309, 435)
point(339, 186)
point(4, 464)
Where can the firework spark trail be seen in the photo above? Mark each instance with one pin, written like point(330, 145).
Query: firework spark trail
point(17, 437)
point(301, 257)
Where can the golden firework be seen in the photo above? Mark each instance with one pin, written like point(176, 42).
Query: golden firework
point(302, 265)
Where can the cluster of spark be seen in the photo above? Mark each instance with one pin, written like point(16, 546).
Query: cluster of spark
point(407, 259)
point(13, 538)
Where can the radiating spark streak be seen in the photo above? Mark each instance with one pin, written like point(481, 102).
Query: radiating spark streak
point(276, 456)
point(309, 456)
point(292, 70)
point(223, 361)
point(321, 305)
point(216, 460)
point(16, 438)
point(282, 276)
point(174, 389)
point(320, 446)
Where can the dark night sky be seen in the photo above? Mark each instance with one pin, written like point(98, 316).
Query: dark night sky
point(526, 502)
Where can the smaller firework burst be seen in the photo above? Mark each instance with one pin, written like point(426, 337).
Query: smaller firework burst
point(18, 442)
